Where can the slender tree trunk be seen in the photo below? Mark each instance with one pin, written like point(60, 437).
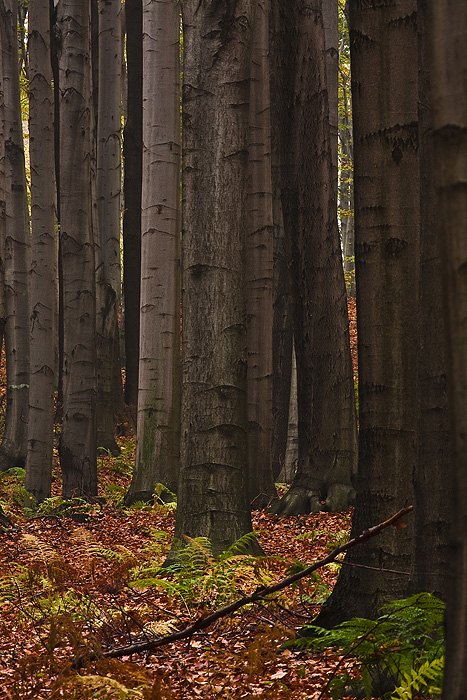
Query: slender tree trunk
point(78, 436)
point(44, 291)
point(133, 158)
point(213, 487)
point(3, 313)
point(331, 40)
point(282, 328)
point(13, 449)
point(384, 43)
point(158, 447)
point(448, 35)
point(259, 270)
point(326, 406)
point(108, 186)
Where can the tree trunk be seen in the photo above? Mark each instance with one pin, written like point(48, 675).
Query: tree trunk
point(282, 327)
point(213, 487)
point(331, 42)
point(433, 490)
point(78, 437)
point(448, 34)
point(326, 404)
point(133, 158)
point(259, 270)
point(384, 43)
point(44, 262)
point(158, 447)
point(108, 185)
point(2, 192)
point(13, 449)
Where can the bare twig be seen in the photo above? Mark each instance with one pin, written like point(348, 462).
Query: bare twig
point(260, 594)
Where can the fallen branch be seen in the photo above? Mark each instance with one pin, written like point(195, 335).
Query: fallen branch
point(258, 595)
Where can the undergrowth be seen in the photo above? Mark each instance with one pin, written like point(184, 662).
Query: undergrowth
point(400, 655)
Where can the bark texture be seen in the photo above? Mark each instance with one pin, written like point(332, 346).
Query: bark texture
point(385, 109)
point(158, 447)
point(78, 437)
point(432, 489)
point(213, 487)
point(259, 270)
point(448, 36)
point(133, 158)
point(108, 192)
point(326, 406)
point(13, 449)
point(44, 256)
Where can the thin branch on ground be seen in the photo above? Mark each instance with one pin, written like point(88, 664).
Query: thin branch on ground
point(259, 595)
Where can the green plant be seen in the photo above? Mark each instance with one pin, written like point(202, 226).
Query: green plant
point(396, 655)
point(13, 489)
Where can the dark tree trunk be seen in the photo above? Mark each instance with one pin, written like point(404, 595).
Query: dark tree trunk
point(384, 43)
point(448, 34)
point(326, 405)
point(133, 163)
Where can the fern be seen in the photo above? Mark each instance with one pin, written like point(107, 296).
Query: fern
point(400, 652)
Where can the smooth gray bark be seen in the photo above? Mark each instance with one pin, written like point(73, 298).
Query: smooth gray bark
point(44, 255)
point(13, 449)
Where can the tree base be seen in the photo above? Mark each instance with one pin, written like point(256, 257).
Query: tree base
point(301, 501)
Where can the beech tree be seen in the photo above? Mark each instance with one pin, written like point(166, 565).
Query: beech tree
point(213, 486)
point(2, 192)
point(383, 42)
point(44, 255)
point(326, 405)
point(447, 25)
point(132, 157)
point(108, 192)
point(78, 436)
point(158, 446)
point(259, 269)
point(13, 448)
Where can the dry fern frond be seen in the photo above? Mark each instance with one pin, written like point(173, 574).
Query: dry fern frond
point(44, 558)
point(159, 628)
point(98, 688)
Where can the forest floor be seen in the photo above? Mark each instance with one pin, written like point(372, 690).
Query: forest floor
point(80, 576)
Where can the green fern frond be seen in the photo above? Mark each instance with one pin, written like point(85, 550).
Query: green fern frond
point(241, 546)
point(427, 679)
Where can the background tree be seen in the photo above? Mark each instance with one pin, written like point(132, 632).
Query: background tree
point(13, 449)
point(384, 43)
point(259, 269)
point(108, 191)
point(158, 447)
point(326, 407)
point(2, 188)
point(132, 182)
point(44, 251)
point(213, 487)
point(447, 36)
point(78, 436)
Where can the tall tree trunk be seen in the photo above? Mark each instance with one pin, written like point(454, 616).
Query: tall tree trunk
point(213, 487)
point(108, 186)
point(44, 291)
point(2, 189)
point(13, 449)
point(132, 183)
point(433, 489)
point(331, 42)
point(448, 35)
point(78, 436)
point(384, 43)
point(326, 406)
point(282, 327)
point(259, 270)
point(158, 447)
